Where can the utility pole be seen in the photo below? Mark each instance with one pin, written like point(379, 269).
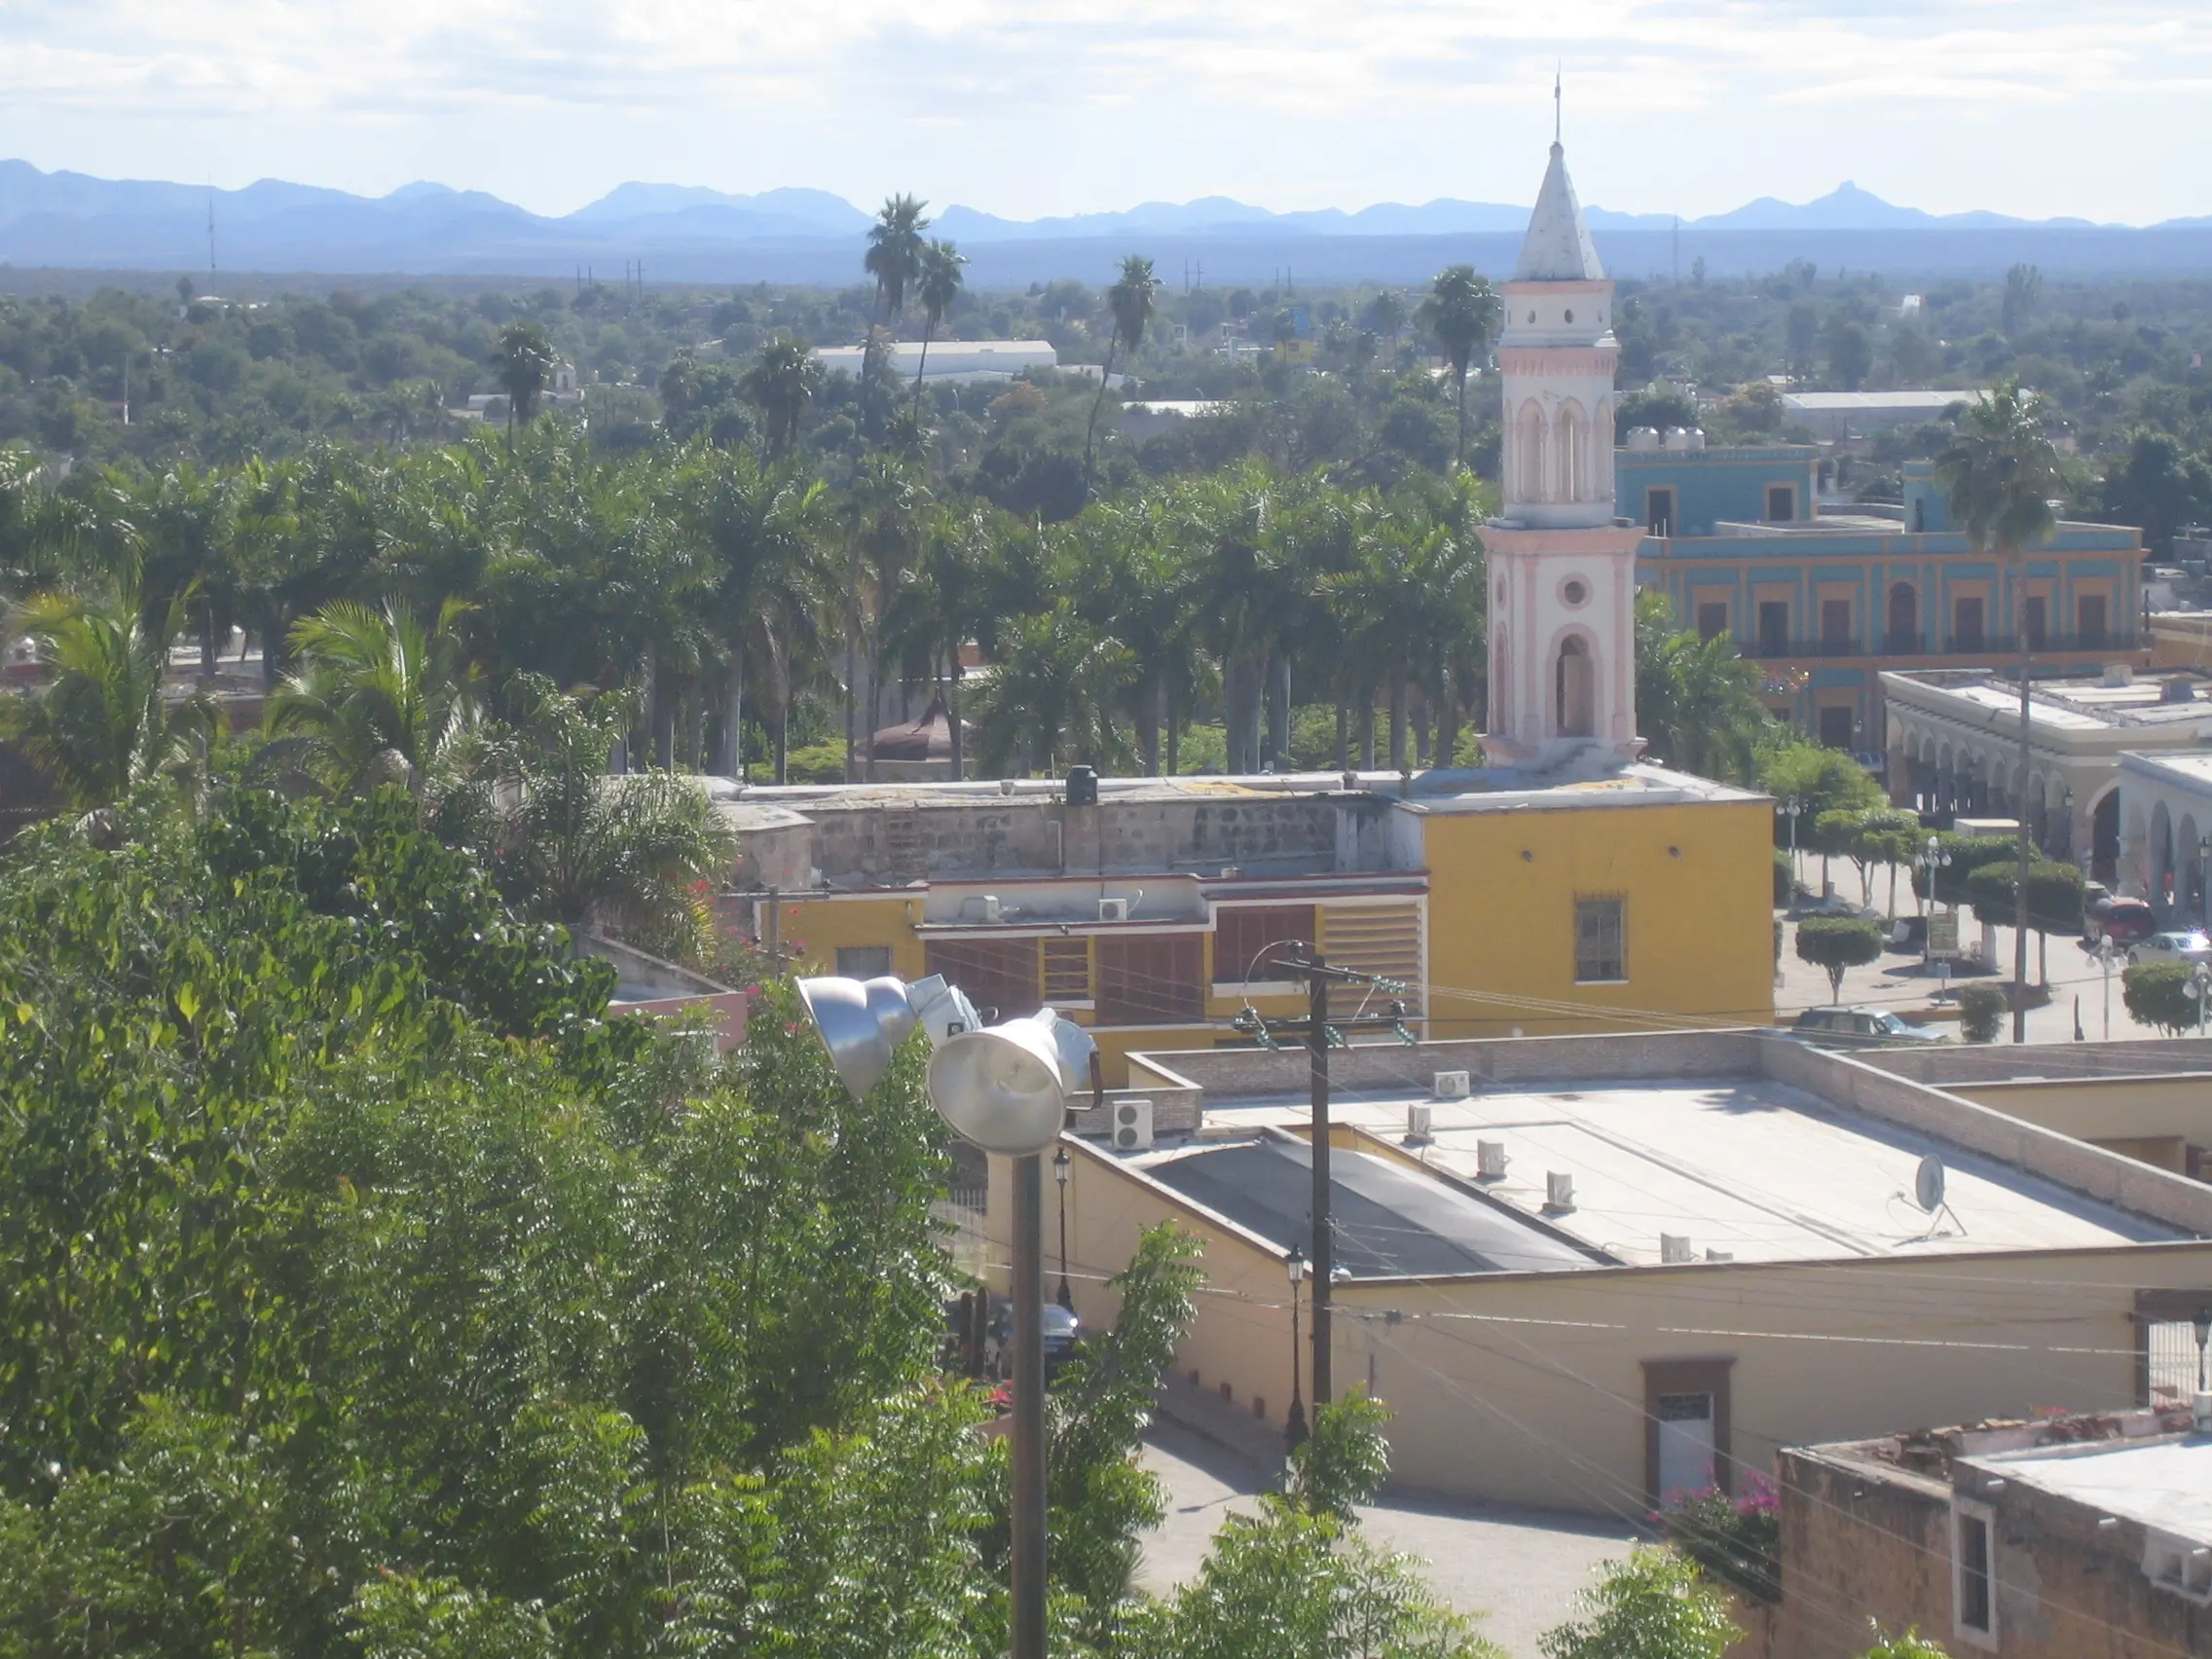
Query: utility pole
point(1320, 1034)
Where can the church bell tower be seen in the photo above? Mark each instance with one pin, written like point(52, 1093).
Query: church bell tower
point(1562, 572)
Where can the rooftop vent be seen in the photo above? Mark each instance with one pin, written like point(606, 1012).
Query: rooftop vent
point(1421, 1123)
point(2118, 674)
point(1675, 1248)
point(1450, 1086)
point(1720, 1255)
point(1558, 1189)
point(2179, 689)
point(1490, 1161)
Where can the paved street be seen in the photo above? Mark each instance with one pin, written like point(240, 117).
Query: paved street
point(1897, 981)
point(1519, 1568)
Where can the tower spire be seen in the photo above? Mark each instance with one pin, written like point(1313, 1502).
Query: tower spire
point(1557, 123)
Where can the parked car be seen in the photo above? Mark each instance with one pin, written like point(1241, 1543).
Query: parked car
point(2124, 921)
point(2172, 947)
point(1062, 1332)
point(1861, 1028)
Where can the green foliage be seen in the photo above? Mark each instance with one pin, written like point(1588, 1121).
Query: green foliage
point(1736, 1539)
point(2157, 993)
point(1344, 1457)
point(1822, 780)
point(1966, 854)
point(1652, 1605)
point(1785, 877)
point(2054, 893)
point(1981, 1013)
point(1696, 700)
point(1911, 1645)
point(1838, 944)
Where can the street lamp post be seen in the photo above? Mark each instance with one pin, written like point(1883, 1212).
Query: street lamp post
point(1928, 861)
point(1060, 1174)
point(2199, 991)
point(1003, 1089)
point(1792, 809)
point(2203, 1324)
point(1294, 1425)
point(2105, 955)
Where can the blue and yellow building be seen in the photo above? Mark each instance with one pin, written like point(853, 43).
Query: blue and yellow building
point(1826, 601)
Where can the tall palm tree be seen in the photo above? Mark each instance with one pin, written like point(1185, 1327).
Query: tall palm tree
point(1051, 696)
point(2001, 471)
point(1461, 310)
point(101, 725)
point(784, 378)
point(941, 284)
point(755, 525)
point(896, 251)
point(41, 532)
point(378, 697)
point(522, 361)
point(888, 509)
point(1130, 302)
point(939, 606)
point(1698, 702)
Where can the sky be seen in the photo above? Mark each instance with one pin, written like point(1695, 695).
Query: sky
point(1035, 107)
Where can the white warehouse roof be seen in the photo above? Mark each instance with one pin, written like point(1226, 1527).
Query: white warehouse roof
point(953, 359)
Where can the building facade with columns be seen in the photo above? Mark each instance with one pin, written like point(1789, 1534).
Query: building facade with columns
point(1954, 747)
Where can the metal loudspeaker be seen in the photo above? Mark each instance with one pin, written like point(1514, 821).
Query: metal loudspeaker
point(1005, 1087)
point(862, 1021)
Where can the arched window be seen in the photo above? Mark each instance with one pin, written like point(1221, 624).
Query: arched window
point(1574, 454)
point(1574, 691)
point(1528, 475)
point(1601, 452)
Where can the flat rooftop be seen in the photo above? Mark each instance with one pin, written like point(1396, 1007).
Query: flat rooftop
point(1749, 1169)
point(1391, 1220)
point(2164, 1483)
point(2072, 705)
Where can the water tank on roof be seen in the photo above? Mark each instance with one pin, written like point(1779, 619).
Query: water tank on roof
point(1678, 437)
point(1642, 438)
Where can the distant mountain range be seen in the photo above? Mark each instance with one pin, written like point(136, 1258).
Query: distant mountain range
point(71, 220)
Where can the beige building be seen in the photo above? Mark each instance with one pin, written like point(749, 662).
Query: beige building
point(1614, 1269)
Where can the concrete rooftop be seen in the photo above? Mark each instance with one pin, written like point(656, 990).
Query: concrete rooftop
point(2164, 1483)
point(1750, 1167)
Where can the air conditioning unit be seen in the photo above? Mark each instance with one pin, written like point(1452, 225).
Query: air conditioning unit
point(1558, 1189)
point(1132, 1125)
point(981, 907)
point(1490, 1161)
point(1450, 1086)
point(1674, 1249)
point(1113, 910)
point(1421, 1123)
point(1713, 1255)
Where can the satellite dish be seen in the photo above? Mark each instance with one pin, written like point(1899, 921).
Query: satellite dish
point(1928, 1184)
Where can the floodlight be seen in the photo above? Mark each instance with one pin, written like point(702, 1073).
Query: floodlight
point(862, 1021)
point(1005, 1087)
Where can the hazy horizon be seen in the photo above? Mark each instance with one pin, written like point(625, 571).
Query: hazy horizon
point(1672, 106)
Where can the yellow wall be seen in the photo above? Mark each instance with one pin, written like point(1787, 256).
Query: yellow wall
point(1528, 1387)
point(2153, 1119)
point(1700, 926)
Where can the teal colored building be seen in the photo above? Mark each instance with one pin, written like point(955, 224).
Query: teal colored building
point(1826, 601)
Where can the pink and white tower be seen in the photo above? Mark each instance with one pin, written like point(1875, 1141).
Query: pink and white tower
point(1562, 572)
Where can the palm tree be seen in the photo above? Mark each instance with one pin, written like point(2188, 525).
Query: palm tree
point(378, 697)
point(2001, 472)
point(888, 511)
point(941, 286)
point(1052, 694)
point(574, 845)
point(102, 727)
point(1461, 310)
point(1697, 700)
point(1130, 302)
point(896, 251)
point(41, 532)
point(783, 381)
point(756, 524)
point(522, 361)
point(939, 606)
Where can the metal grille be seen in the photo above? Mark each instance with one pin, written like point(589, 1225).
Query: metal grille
point(2172, 1345)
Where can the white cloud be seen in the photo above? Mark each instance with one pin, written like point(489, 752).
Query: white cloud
point(1039, 105)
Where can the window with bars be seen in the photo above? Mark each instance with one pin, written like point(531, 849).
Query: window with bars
point(1601, 943)
point(996, 972)
point(1155, 980)
point(1067, 971)
point(1248, 939)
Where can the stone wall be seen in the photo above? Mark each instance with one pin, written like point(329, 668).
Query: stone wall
point(1860, 1544)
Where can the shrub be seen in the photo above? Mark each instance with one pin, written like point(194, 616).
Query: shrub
point(1736, 1539)
point(1652, 1605)
point(2157, 993)
point(1835, 943)
point(1785, 877)
point(1981, 1013)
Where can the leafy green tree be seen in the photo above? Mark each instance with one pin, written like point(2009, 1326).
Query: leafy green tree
point(2157, 993)
point(1697, 700)
point(1463, 311)
point(2054, 901)
point(2000, 473)
point(1130, 302)
point(1824, 780)
point(1838, 944)
point(1981, 1013)
point(2023, 292)
point(103, 727)
point(1652, 1605)
point(1911, 1645)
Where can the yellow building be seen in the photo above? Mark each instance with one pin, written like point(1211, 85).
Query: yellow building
point(1500, 903)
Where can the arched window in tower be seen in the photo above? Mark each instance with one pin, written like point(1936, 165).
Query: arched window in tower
point(1573, 447)
point(1574, 689)
point(1601, 452)
point(1529, 476)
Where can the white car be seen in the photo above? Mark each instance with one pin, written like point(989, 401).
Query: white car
point(2172, 947)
